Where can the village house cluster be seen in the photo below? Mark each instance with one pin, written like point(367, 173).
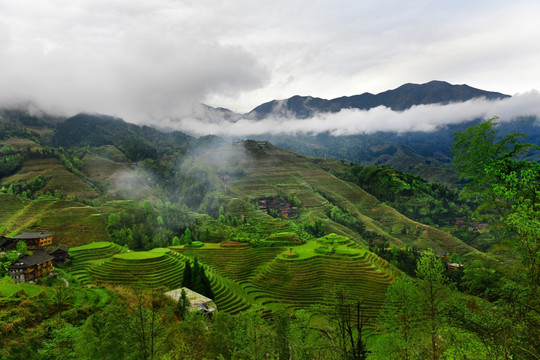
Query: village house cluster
point(30, 268)
point(280, 206)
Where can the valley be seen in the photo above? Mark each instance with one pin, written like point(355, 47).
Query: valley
point(271, 232)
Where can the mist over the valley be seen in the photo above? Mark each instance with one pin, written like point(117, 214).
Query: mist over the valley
point(354, 121)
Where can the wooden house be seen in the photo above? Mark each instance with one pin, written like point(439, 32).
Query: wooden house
point(60, 254)
point(461, 222)
point(29, 268)
point(441, 254)
point(35, 240)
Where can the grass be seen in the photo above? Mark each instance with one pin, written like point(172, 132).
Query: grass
point(91, 246)
point(8, 290)
point(139, 255)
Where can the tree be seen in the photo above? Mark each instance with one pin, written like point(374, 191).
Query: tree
point(481, 279)
point(61, 343)
point(520, 189)
point(400, 319)
point(282, 328)
point(348, 318)
point(146, 326)
point(63, 296)
point(509, 186)
point(187, 280)
point(187, 236)
point(102, 335)
point(21, 247)
point(112, 222)
point(183, 305)
point(430, 270)
point(493, 166)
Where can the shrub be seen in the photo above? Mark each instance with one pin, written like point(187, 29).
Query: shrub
point(290, 254)
point(324, 250)
point(196, 244)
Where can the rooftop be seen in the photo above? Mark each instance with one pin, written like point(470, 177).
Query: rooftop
point(39, 257)
point(60, 248)
point(32, 235)
point(196, 300)
point(4, 241)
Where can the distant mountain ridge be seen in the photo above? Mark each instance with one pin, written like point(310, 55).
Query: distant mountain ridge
point(401, 98)
point(423, 153)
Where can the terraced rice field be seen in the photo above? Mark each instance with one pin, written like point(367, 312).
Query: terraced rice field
point(301, 283)
point(59, 177)
point(242, 276)
point(86, 256)
point(235, 263)
point(140, 269)
point(229, 296)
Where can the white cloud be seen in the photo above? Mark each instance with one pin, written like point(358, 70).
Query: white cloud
point(353, 121)
point(140, 60)
point(146, 59)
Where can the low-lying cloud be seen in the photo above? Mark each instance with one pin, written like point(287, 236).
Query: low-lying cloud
point(138, 60)
point(353, 121)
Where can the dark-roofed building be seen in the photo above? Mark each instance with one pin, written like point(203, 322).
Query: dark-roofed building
point(7, 244)
point(29, 268)
point(60, 254)
point(35, 240)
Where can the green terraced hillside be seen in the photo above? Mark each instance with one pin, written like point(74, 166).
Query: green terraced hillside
point(56, 175)
point(146, 269)
point(268, 171)
point(267, 277)
point(84, 257)
point(243, 276)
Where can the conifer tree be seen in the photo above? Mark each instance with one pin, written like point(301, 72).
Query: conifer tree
point(183, 305)
point(188, 277)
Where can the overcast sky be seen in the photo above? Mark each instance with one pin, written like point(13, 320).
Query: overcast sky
point(144, 60)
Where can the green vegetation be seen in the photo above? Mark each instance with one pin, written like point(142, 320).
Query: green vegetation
point(139, 255)
point(423, 201)
point(145, 212)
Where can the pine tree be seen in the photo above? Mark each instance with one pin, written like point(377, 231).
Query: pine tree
point(183, 305)
point(188, 276)
point(206, 286)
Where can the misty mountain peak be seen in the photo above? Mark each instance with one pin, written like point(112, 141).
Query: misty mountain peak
point(399, 99)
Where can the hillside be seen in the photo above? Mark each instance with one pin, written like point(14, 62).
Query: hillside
point(96, 179)
point(271, 171)
point(265, 232)
point(98, 190)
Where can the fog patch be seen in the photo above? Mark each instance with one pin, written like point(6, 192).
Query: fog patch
point(425, 118)
point(130, 185)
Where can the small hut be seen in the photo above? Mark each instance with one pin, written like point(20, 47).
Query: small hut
point(197, 301)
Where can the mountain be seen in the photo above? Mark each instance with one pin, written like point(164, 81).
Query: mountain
point(423, 153)
point(401, 98)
